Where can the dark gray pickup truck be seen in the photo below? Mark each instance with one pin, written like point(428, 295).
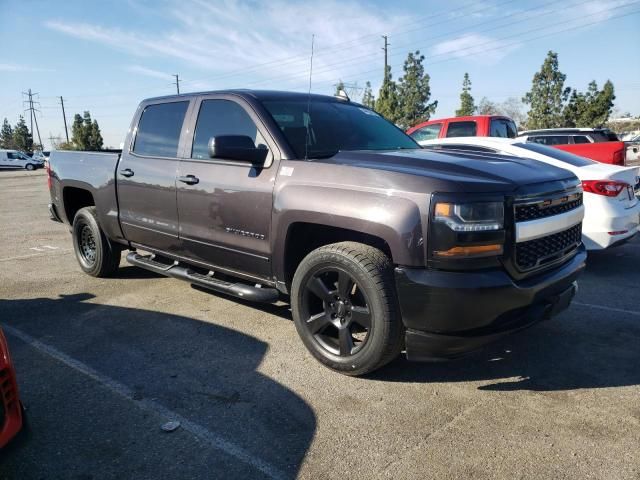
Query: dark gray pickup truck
point(379, 246)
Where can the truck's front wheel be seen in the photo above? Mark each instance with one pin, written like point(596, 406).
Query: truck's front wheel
point(345, 308)
point(96, 255)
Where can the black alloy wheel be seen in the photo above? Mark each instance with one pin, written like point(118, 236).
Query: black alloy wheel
point(336, 312)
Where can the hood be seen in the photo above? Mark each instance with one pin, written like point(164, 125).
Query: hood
point(500, 171)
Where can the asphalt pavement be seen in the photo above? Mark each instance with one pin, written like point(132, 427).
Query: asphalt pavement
point(104, 364)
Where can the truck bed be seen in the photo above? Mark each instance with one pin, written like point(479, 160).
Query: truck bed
point(94, 172)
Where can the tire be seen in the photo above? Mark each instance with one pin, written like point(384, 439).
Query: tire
point(345, 308)
point(96, 255)
point(30, 167)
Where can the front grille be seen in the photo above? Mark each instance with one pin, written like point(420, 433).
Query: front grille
point(541, 251)
point(542, 209)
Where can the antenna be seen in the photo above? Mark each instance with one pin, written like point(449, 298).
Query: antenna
point(306, 141)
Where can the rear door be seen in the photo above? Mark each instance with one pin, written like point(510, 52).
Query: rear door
point(146, 176)
point(225, 217)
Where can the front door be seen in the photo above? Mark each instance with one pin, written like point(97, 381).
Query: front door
point(225, 217)
point(146, 177)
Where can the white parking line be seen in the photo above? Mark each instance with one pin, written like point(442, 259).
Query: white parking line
point(610, 309)
point(213, 439)
point(41, 254)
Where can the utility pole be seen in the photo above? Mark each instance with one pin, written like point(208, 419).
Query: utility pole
point(32, 113)
point(64, 118)
point(177, 83)
point(385, 48)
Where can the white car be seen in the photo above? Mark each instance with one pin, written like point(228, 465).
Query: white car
point(612, 209)
point(16, 159)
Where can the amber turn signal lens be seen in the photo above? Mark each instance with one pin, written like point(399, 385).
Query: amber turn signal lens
point(443, 209)
point(472, 251)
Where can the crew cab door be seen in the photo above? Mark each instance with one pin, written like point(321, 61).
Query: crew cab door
point(224, 205)
point(146, 176)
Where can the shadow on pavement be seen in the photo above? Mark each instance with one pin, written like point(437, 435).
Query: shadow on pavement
point(584, 347)
point(204, 372)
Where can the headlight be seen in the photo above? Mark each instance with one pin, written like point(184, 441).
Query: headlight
point(466, 230)
point(470, 217)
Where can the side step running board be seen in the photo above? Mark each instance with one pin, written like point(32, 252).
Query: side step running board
point(175, 270)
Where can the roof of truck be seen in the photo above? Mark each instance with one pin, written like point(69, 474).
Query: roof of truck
point(257, 94)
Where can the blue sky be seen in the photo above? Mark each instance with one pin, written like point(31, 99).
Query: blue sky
point(107, 56)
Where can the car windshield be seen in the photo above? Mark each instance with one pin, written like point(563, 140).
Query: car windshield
point(556, 154)
point(320, 128)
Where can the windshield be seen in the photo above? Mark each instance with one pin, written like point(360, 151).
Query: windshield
point(556, 154)
point(322, 128)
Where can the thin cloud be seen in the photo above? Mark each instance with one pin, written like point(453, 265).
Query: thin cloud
point(12, 67)
point(223, 37)
point(474, 48)
point(148, 72)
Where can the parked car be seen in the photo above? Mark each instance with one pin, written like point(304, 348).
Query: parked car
point(600, 144)
point(378, 244)
point(471, 126)
point(612, 210)
point(10, 407)
point(41, 155)
point(16, 159)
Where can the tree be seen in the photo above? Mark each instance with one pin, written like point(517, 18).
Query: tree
point(512, 107)
point(414, 92)
point(85, 133)
point(547, 95)
point(22, 138)
point(339, 87)
point(368, 100)
point(589, 109)
point(387, 103)
point(467, 107)
point(6, 135)
point(95, 137)
point(487, 107)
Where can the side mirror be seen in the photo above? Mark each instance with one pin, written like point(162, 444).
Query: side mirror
point(236, 147)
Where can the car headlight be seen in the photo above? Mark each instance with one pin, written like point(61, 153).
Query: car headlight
point(470, 217)
point(465, 231)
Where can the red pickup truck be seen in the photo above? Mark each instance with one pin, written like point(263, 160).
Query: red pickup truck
point(600, 145)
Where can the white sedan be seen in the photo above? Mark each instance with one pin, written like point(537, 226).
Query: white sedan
point(612, 209)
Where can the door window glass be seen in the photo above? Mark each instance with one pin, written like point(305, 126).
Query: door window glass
point(580, 139)
point(428, 132)
point(159, 130)
point(222, 117)
point(461, 129)
point(501, 127)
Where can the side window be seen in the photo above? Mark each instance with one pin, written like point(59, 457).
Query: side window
point(159, 129)
point(580, 139)
point(503, 128)
point(428, 132)
point(540, 140)
point(222, 117)
point(461, 129)
point(12, 156)
point(558, 140)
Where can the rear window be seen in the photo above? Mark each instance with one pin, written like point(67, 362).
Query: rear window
point(159, 130)
point(501, 127)
point(461, 129)
point(556, 154)
point(428, 132)
point(550, 139)
point(581, 139)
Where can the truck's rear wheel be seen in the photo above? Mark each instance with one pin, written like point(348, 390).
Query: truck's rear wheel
point(345, 308)
point(96, 255)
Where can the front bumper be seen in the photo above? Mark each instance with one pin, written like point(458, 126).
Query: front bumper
point(448, 314)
